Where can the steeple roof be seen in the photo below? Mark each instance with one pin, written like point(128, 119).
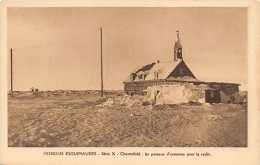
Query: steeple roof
point(178, 42)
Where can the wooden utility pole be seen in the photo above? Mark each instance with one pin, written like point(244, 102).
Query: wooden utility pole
point(11, 70)
point(101, 65)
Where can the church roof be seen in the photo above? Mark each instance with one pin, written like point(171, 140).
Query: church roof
point(163, 68)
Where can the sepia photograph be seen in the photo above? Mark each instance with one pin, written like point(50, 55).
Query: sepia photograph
point(127, 76)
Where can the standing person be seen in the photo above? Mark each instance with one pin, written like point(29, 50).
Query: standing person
point(156, 93)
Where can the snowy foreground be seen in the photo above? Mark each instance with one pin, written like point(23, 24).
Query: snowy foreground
point(82, 119)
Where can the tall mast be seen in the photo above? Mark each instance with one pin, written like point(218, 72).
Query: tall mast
point(101, 65)
point(11, 70)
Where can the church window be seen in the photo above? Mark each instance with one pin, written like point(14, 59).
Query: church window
point(211, 94)
point(181, 71)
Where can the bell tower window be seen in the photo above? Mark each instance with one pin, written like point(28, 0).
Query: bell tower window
point(177, 48)
point(179, 55)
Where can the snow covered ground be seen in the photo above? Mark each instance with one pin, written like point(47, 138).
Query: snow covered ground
point(82, 119)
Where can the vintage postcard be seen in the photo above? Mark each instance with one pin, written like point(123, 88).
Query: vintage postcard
point(120, 82)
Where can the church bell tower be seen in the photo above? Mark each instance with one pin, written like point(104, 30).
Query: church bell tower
point(177, 49)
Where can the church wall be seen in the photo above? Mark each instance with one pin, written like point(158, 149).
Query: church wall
point(137, 87)
point(197, 90)
point(175, 94)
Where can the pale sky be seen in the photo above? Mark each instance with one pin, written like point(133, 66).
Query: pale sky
point(59, 48)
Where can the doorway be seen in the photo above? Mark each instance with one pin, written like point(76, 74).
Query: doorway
point(212, 96)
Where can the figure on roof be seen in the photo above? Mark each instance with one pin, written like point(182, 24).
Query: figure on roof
point(177, 49)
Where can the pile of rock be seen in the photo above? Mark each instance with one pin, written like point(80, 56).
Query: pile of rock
point(124, 100)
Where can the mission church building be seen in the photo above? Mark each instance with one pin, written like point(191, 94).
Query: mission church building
point(174, 79)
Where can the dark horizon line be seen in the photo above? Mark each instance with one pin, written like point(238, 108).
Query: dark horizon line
point(67, 90)
point(109, 90)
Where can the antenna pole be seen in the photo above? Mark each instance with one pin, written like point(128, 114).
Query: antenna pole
point(11, 70)
point(101, 65)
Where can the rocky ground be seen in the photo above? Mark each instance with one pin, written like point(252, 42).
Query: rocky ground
point(82, 119)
